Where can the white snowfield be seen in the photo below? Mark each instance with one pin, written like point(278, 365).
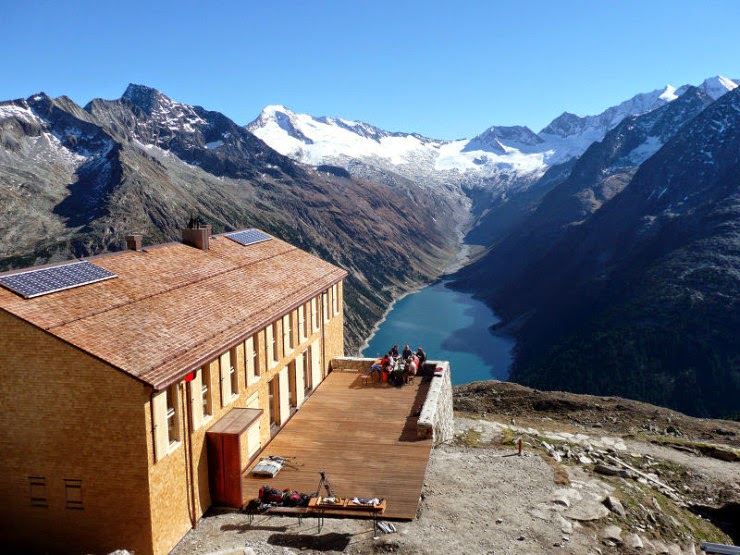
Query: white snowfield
point(510, 151)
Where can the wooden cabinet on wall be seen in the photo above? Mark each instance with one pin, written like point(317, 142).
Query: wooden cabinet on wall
point(232, 441)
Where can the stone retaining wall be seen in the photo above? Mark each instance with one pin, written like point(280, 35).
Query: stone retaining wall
point(357, 364)
point(436, 419)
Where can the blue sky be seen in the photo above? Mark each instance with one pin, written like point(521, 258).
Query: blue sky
point(444, 69)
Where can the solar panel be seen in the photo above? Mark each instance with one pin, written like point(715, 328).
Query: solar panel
point(35, 283)
point(248, 236)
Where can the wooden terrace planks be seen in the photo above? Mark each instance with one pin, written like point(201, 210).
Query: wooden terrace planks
point(364, 437)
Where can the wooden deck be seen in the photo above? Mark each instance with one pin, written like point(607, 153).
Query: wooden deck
point(364, 437)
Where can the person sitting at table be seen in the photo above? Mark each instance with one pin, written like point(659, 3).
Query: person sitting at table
point(385, 361)
point(406, 352)
point(422, 356)
point(411, 367)
point(386, 367)
point(394, 351)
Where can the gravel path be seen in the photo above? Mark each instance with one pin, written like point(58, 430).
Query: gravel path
point(474, 501)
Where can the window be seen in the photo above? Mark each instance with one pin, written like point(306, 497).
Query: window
point(287, 334)
point(306, 372)
point(335, 297)
point(314, 315)
point(37, 485)
point(73, 494)
point(302, 331)
point(205, 391)
point(166, 416)
point(173, 428)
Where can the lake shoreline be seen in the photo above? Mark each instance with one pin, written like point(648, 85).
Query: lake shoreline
point(391, 306)
point(450, 325)
point(462, 258)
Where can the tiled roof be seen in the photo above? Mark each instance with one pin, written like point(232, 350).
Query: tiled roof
point(174, 307)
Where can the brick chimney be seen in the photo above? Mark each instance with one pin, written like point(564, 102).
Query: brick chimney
point(133, 242)
point(197, 234)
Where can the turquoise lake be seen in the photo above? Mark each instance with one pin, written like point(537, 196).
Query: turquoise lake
point(448, 325)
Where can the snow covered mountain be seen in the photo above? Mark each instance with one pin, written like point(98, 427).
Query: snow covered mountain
point(500, 157)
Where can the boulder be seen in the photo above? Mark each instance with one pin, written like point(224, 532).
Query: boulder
point(614, 504)
point(634, 541)
point(586, 510)
point(565, 525)
point(609, 470)
point(612, 534)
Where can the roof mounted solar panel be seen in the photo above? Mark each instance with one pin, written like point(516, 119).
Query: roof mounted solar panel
point(248, 236)
point(35, 283)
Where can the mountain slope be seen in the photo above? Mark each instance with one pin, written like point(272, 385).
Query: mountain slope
point(74, 181)
point(595, 178)
point(641, 299)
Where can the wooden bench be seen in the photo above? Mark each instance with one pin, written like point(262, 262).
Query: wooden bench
point(319, 512)
point(369, 375)
point(346, 509)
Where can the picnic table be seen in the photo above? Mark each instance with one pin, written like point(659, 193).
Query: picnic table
point(399, 373)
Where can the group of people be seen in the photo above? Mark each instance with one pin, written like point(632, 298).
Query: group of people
point(398, 368)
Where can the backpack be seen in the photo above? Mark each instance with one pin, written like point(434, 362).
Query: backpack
point(291, 498)
point(269, 495)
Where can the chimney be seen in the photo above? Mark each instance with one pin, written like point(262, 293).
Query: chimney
point(197, 234)
point(133, 242)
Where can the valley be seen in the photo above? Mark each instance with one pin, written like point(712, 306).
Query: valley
point(607, 244)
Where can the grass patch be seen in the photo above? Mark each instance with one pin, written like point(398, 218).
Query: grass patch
point(508, 437)
point(468, 438)
point(666, 520)
point(713, 450)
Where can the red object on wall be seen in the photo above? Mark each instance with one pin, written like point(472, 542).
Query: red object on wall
point(189, 377)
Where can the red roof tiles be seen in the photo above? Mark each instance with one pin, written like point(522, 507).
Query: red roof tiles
point(174, 307)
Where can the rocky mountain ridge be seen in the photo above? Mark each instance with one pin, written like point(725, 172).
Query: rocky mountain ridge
point(488, 160)
point(641, 291)
point(74, 181)
point(502, 173)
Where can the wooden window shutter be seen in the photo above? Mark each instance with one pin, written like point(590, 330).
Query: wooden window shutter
point(196, 399)
point(300, 387)
point(159, 425)
point(287, 331)
point(249, 357)
point(270, 347)
point(224, 378)
point(315, 364)
point(284, 395)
